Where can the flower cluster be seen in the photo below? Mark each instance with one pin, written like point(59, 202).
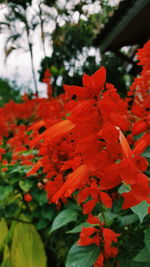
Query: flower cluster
point(87, 147)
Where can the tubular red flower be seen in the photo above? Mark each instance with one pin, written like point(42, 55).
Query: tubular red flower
point(57, 130)
point(125, 146)
point(72, 182)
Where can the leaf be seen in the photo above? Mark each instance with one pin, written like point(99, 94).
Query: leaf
point(21, 169)
point(11, 210)
point(6, 263)
point(82, 256)
point(28, 152)
point(143, 255)
point(124, 188)
point(8, 50)
point(78, 228)
point(40, 196)
point(126, 260)
point(26, 185)
point(128, 219)
point(5, 191)
point(146, 153)
point(63, 218)
point(74, 206)
point(27, 247)
point(43, 223)
point(109, 217)
point(141, 210)
point(6, 257)
point(54, 70)
point(6, 252)
point(3, 232)
point(147, 239)
point(48, 212)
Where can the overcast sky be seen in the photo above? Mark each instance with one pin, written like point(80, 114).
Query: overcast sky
point(18, 65)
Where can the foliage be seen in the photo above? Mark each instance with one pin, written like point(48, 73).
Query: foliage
point(72, 43)
point(20, 245)
point(116, 73)
point(76, 167)
point(8, 91)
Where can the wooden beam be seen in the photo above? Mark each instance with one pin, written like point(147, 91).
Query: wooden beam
point(132, 13)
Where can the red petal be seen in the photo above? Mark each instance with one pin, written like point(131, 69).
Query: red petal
point(83, 195)
point(99, 79)
point(72, 182)
point(76, 90)
point(106, 199)
point(89, 206)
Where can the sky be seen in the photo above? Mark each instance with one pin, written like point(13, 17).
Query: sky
point(18, 65)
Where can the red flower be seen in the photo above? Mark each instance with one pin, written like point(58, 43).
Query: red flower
point(110, 237)
point(55, 131)
point(35, 168)
point(27, 197)
point(89, 206)
point(95, 83)
point(100, 260)
point(72, 183)
point(106, 199)
point(86, 237)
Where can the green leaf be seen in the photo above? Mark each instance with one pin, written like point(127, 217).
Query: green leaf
point(54, 70)
point(43, 223)
point(40, 196)
point(48, 212)
point(141, 210)
point(109, 217)
point(5, 191)
point(6, 263)
point(82, 256)
point(143, 256)
point(21, 169)
point(78, 228)
point(28, 152)
point(124, 189)
point(11, 209)
point(6, 252)
point(3, 232)
point(27, 247)
point(74, 206)
point(147, 239)
point(127, 260)
point(26, 185)
point(128, 219)
point(6, 257)
point(146, 153)
point(63, 218)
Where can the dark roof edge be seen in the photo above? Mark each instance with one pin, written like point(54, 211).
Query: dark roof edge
point(113, 31)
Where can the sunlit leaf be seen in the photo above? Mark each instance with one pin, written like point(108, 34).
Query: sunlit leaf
point(27, 247)
point(3, 232)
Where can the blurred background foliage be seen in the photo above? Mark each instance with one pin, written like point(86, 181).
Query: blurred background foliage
point(69, 28)
point(9, 90)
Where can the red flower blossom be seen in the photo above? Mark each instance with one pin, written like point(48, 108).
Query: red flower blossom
point(100, 260)
point(72, 183)
point(27, 197)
